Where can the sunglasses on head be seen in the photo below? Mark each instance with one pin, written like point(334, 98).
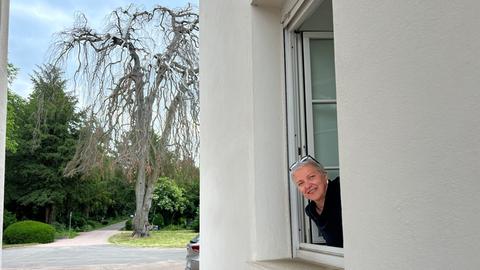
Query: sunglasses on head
point(303, 160)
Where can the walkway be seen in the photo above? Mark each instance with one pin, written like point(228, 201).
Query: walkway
point(91, 251)
point(97, 237)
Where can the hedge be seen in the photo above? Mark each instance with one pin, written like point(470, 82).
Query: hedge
point(128, 225)
point(29, 231)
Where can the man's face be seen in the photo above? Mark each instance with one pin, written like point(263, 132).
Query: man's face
point(311, 182)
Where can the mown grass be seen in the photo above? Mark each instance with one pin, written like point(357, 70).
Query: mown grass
point(165, 239)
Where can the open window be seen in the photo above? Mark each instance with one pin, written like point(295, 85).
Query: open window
point(312, 116)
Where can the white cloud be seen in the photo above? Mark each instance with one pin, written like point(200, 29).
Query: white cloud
point(41, 12)
point(22, 86)
point(32, 23)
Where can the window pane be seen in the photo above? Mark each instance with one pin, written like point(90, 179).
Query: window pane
point(322, 69)
point(332, 174)
point(325, 133)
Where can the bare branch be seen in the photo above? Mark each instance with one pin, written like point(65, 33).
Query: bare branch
point(142, 74)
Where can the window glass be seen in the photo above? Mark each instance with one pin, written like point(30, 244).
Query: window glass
point(325, 134)
point(322, 138)
point(322, 69)
point(333, 173)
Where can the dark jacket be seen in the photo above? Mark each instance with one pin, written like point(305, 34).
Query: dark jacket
point(329, 223)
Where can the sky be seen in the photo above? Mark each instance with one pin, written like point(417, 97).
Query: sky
point(33, 23)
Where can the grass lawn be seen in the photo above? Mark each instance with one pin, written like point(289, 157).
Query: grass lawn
point(167, 239)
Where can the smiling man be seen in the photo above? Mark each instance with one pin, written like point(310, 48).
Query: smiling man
point(324, 207)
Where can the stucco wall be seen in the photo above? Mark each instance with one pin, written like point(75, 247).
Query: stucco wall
point(408, 115)
point(226, 167)
point(408, 102)
point(4, 8)
point(244, 201)
point(272, 217)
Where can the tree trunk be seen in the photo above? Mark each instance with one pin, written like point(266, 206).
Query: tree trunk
point(143, 193)
point(140, 220)
point(53, 214)
point(86, 212)
point(49, 213)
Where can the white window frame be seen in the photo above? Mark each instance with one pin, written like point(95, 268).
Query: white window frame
point(296, 76)
point(307, 36)
point(295, 130)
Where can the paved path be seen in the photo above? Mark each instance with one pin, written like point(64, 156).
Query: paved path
point(97, 237)
point(91, 251)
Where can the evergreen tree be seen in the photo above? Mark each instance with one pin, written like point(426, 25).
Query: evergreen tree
point(46, 142)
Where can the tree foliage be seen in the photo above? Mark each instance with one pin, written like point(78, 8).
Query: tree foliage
point(13, 103)
point(46, 129)
point(46, 143)
point(173, 201)
point(169, 197)
point(142, 76)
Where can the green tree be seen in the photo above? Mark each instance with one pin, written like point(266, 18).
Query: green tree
point(192, 195)
point(185, 174)
point(46, 142)
point(14, 103)
point(169, 200)
point(43, 132)
point(102, 194)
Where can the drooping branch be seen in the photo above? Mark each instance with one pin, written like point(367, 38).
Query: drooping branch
point(142, 75)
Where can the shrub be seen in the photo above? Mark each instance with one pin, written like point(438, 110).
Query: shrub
point(93, 223)
point(29, 231)
point(58, 226)
point(8, 218)
point(182, 221)
point(195, 225)
point(85, 228)
point(158, 220)
point(174, 227)
point(78, 220)
point(128, 225)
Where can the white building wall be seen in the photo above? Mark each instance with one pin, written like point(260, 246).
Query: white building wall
point(244, 201)
point(408, 76)
point(272, 218)
point(4, 8)
point(226, 186)
point(408, 105)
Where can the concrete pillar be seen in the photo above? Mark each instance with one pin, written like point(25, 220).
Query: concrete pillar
point(244, 195)
point(4, 9)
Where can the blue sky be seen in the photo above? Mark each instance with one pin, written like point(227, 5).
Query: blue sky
point(33, 23)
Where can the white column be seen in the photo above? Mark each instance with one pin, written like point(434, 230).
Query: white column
point(226, 185)
point(4, 8)
point(244, 196)
point(409, 132)
point(272, 223)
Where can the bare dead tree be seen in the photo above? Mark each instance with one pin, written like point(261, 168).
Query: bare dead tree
point(141, 73)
